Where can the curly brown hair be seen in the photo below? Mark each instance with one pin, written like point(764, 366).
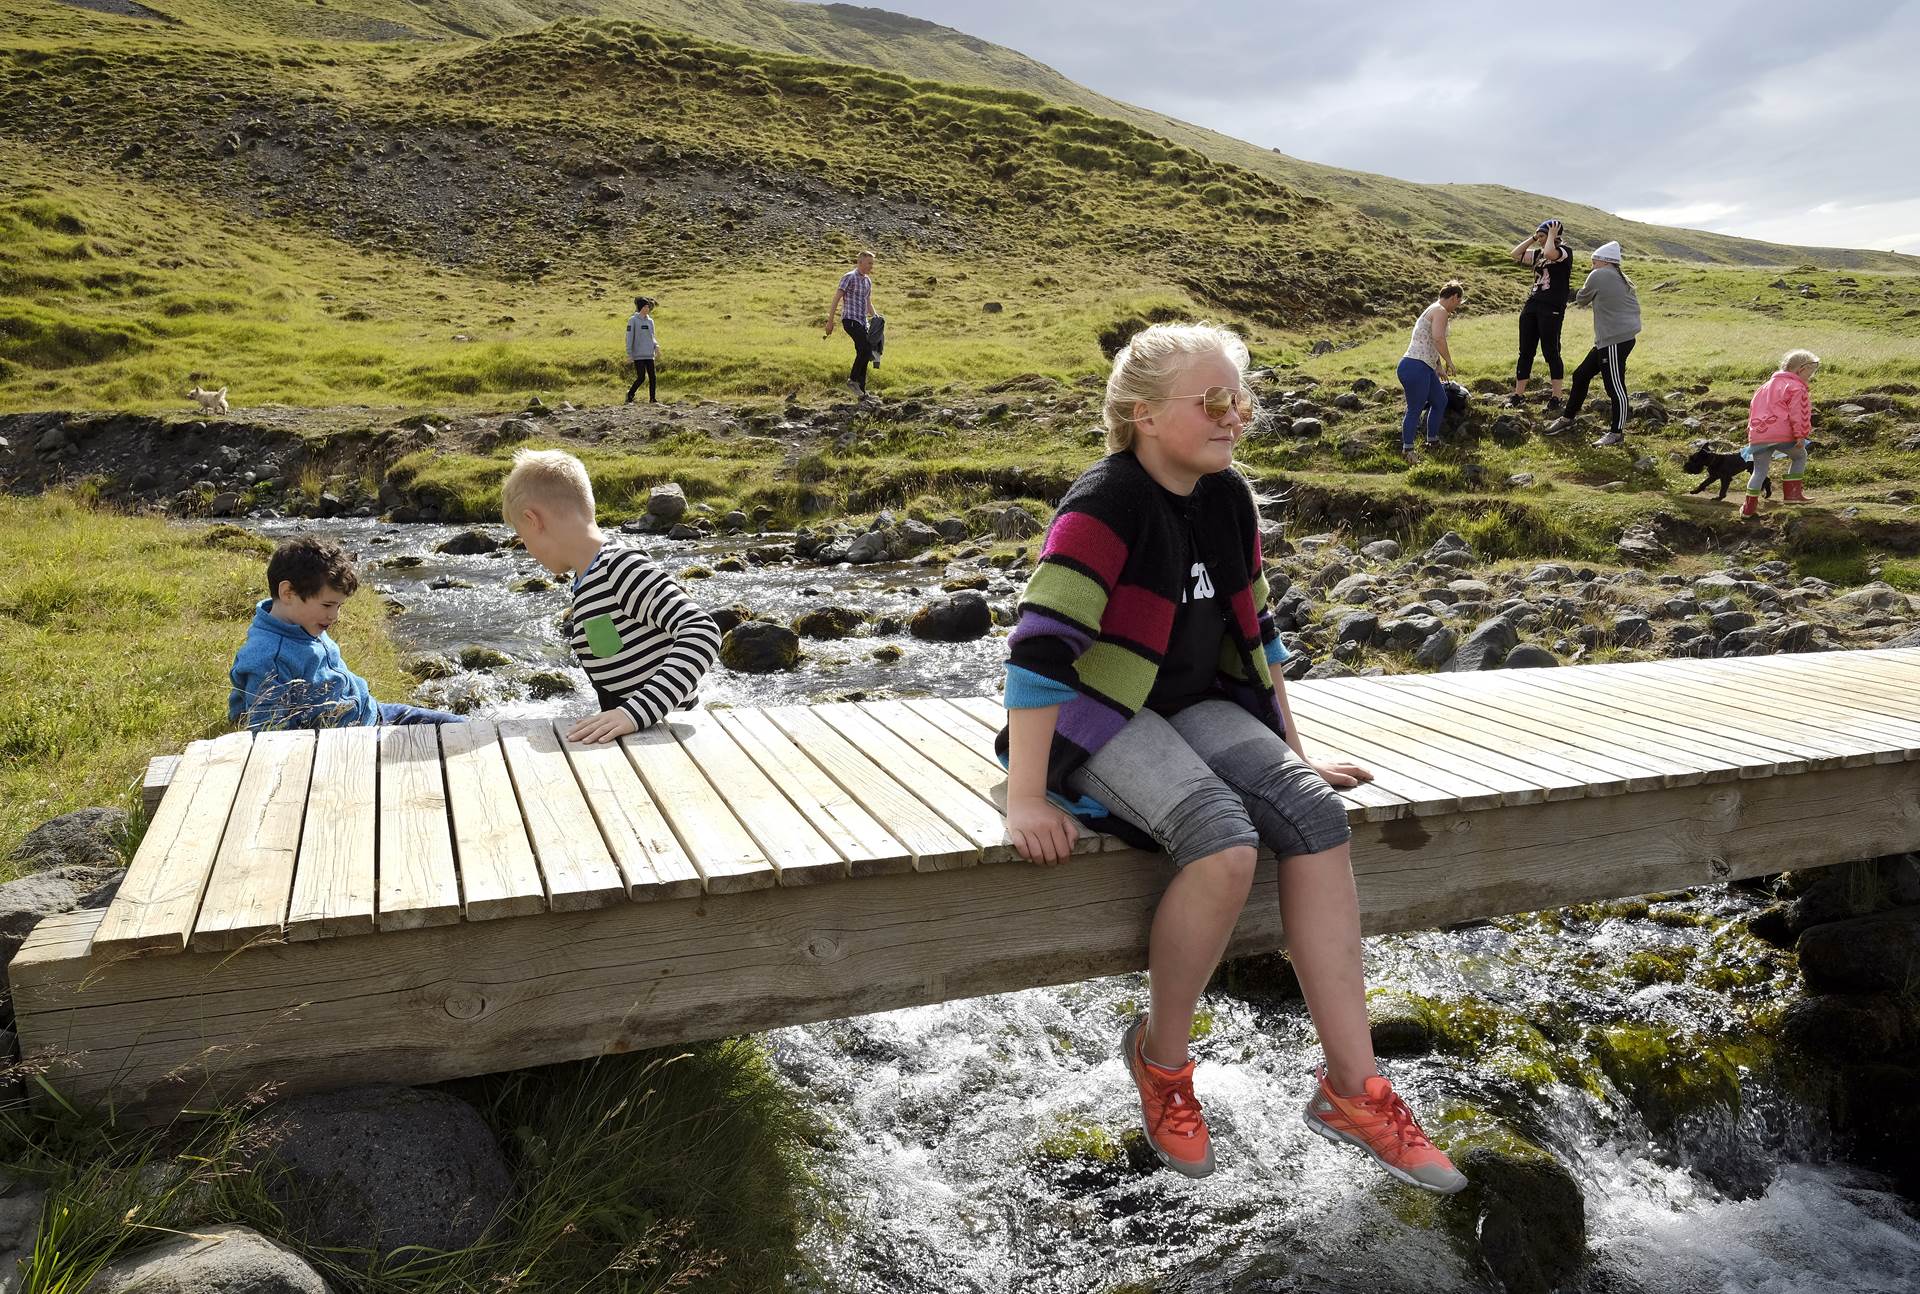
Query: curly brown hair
point(311, 564)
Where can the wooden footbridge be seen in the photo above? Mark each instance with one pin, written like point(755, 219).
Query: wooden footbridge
point(406, 905)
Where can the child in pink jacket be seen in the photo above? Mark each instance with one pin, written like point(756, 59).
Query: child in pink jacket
point(1781, 415)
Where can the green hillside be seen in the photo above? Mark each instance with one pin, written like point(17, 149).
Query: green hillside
point(1482, 213)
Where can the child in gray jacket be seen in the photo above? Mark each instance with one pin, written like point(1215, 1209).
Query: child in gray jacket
point(1616, 323)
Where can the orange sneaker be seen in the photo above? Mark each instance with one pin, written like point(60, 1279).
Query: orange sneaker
point(1176, 1129)
point(1380, 1123)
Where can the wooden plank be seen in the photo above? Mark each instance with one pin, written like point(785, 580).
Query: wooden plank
point(154, 783)
point(987, 711)
point(1475, 745)
point(651, 858)
point(1685, 761)
point(725, 854)
point(1684, 706)
point(498, 874)
point(334, 878)
point(978, 772)
point(934, 842)
point(1402, 766)
point(160, 894)
point(1689, 691)
point(1862, 683)
point(869, 848)
point(252, 880)
point(798, 852)
point(419, 885)
point(578, 866)
point(949, 719)
point(1751, 756)
point(436, 1004)
point(977, 817)
point(1634, 770)
point(1812, 699)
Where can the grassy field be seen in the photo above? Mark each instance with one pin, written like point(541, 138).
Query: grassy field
point(115, 637)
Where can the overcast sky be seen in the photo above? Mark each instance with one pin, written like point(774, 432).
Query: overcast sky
point(1791, 120)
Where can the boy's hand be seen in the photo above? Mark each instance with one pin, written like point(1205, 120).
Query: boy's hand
point(606, 726)
point(1041, 831)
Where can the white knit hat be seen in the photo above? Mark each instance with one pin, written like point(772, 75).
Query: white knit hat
point(1607, 252)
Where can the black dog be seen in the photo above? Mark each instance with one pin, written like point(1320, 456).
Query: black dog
point(1723, 468)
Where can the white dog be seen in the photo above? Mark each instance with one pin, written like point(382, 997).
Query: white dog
point(211, 401)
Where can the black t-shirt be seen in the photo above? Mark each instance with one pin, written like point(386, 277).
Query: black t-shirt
point(1190, 672)
point(1552, 282)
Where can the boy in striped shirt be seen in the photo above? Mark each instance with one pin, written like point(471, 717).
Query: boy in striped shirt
point(644, 644)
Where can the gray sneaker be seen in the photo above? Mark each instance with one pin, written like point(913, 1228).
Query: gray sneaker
point(1611, 438)
point(1557, 427)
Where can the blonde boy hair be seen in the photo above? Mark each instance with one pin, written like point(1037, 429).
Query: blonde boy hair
point(1799, 361)
point(1144, 370)
point(551, 479)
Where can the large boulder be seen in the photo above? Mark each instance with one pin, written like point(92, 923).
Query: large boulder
point(1485, 648)
point(91, 837)
point(666, 502)
point(1873, 954)
point(760, 647)
point(1015, 522)
point(469, 542)
point(214, 1260)
point(960, 618)
point(828, 622)
point(1522, 1208)
point(379, 1168)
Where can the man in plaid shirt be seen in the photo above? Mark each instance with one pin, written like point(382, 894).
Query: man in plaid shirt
point(853, 306)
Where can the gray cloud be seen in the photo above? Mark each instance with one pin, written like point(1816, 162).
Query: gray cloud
point(1771, 118)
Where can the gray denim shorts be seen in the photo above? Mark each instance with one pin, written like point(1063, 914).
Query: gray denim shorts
point(1210, 778)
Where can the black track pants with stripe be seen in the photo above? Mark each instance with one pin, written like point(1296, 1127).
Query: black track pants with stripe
point(1610, 362)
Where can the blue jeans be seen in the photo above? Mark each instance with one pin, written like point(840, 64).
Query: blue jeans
point(1425, 391)
point(395, 712)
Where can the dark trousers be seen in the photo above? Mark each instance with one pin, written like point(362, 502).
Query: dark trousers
point(1610, 362)
point(1539, 327)
point(642, 369)
point(862, 350)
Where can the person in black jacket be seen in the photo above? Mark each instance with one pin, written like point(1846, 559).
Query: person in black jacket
point(1546, 309)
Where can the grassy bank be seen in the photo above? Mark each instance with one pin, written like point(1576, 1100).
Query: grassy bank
point(115, 637)
point(666, 1170)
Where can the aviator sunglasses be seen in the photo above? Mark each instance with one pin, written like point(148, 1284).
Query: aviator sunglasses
point(1217, 400)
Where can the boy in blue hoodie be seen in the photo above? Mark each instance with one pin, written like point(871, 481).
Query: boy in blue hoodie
point(289, 673)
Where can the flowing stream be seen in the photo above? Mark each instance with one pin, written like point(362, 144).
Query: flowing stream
point(980, 1145)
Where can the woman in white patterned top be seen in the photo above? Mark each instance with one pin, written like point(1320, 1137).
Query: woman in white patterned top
point(1427, 365)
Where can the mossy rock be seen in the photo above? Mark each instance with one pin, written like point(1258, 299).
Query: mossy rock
point(1400, 1024)
point(828, 623)
point(1668, 1077)
point(760, 647)
point(1522, 1212)
point(732, 565)
point(428, 668)
point(1666, 966)
point(548, 683)
point(887, 654)
point(238, 539)
point(695, 573)
point(477, 657)
point(531, 584)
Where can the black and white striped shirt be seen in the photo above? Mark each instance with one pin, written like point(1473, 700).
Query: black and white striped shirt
point(652, 644)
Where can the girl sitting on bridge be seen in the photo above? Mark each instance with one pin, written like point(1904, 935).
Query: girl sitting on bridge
point(1141, 695)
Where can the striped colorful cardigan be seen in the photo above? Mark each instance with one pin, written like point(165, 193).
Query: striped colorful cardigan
point(1098, 612)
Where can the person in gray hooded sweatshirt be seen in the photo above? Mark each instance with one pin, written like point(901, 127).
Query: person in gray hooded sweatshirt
point(1616, 322)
